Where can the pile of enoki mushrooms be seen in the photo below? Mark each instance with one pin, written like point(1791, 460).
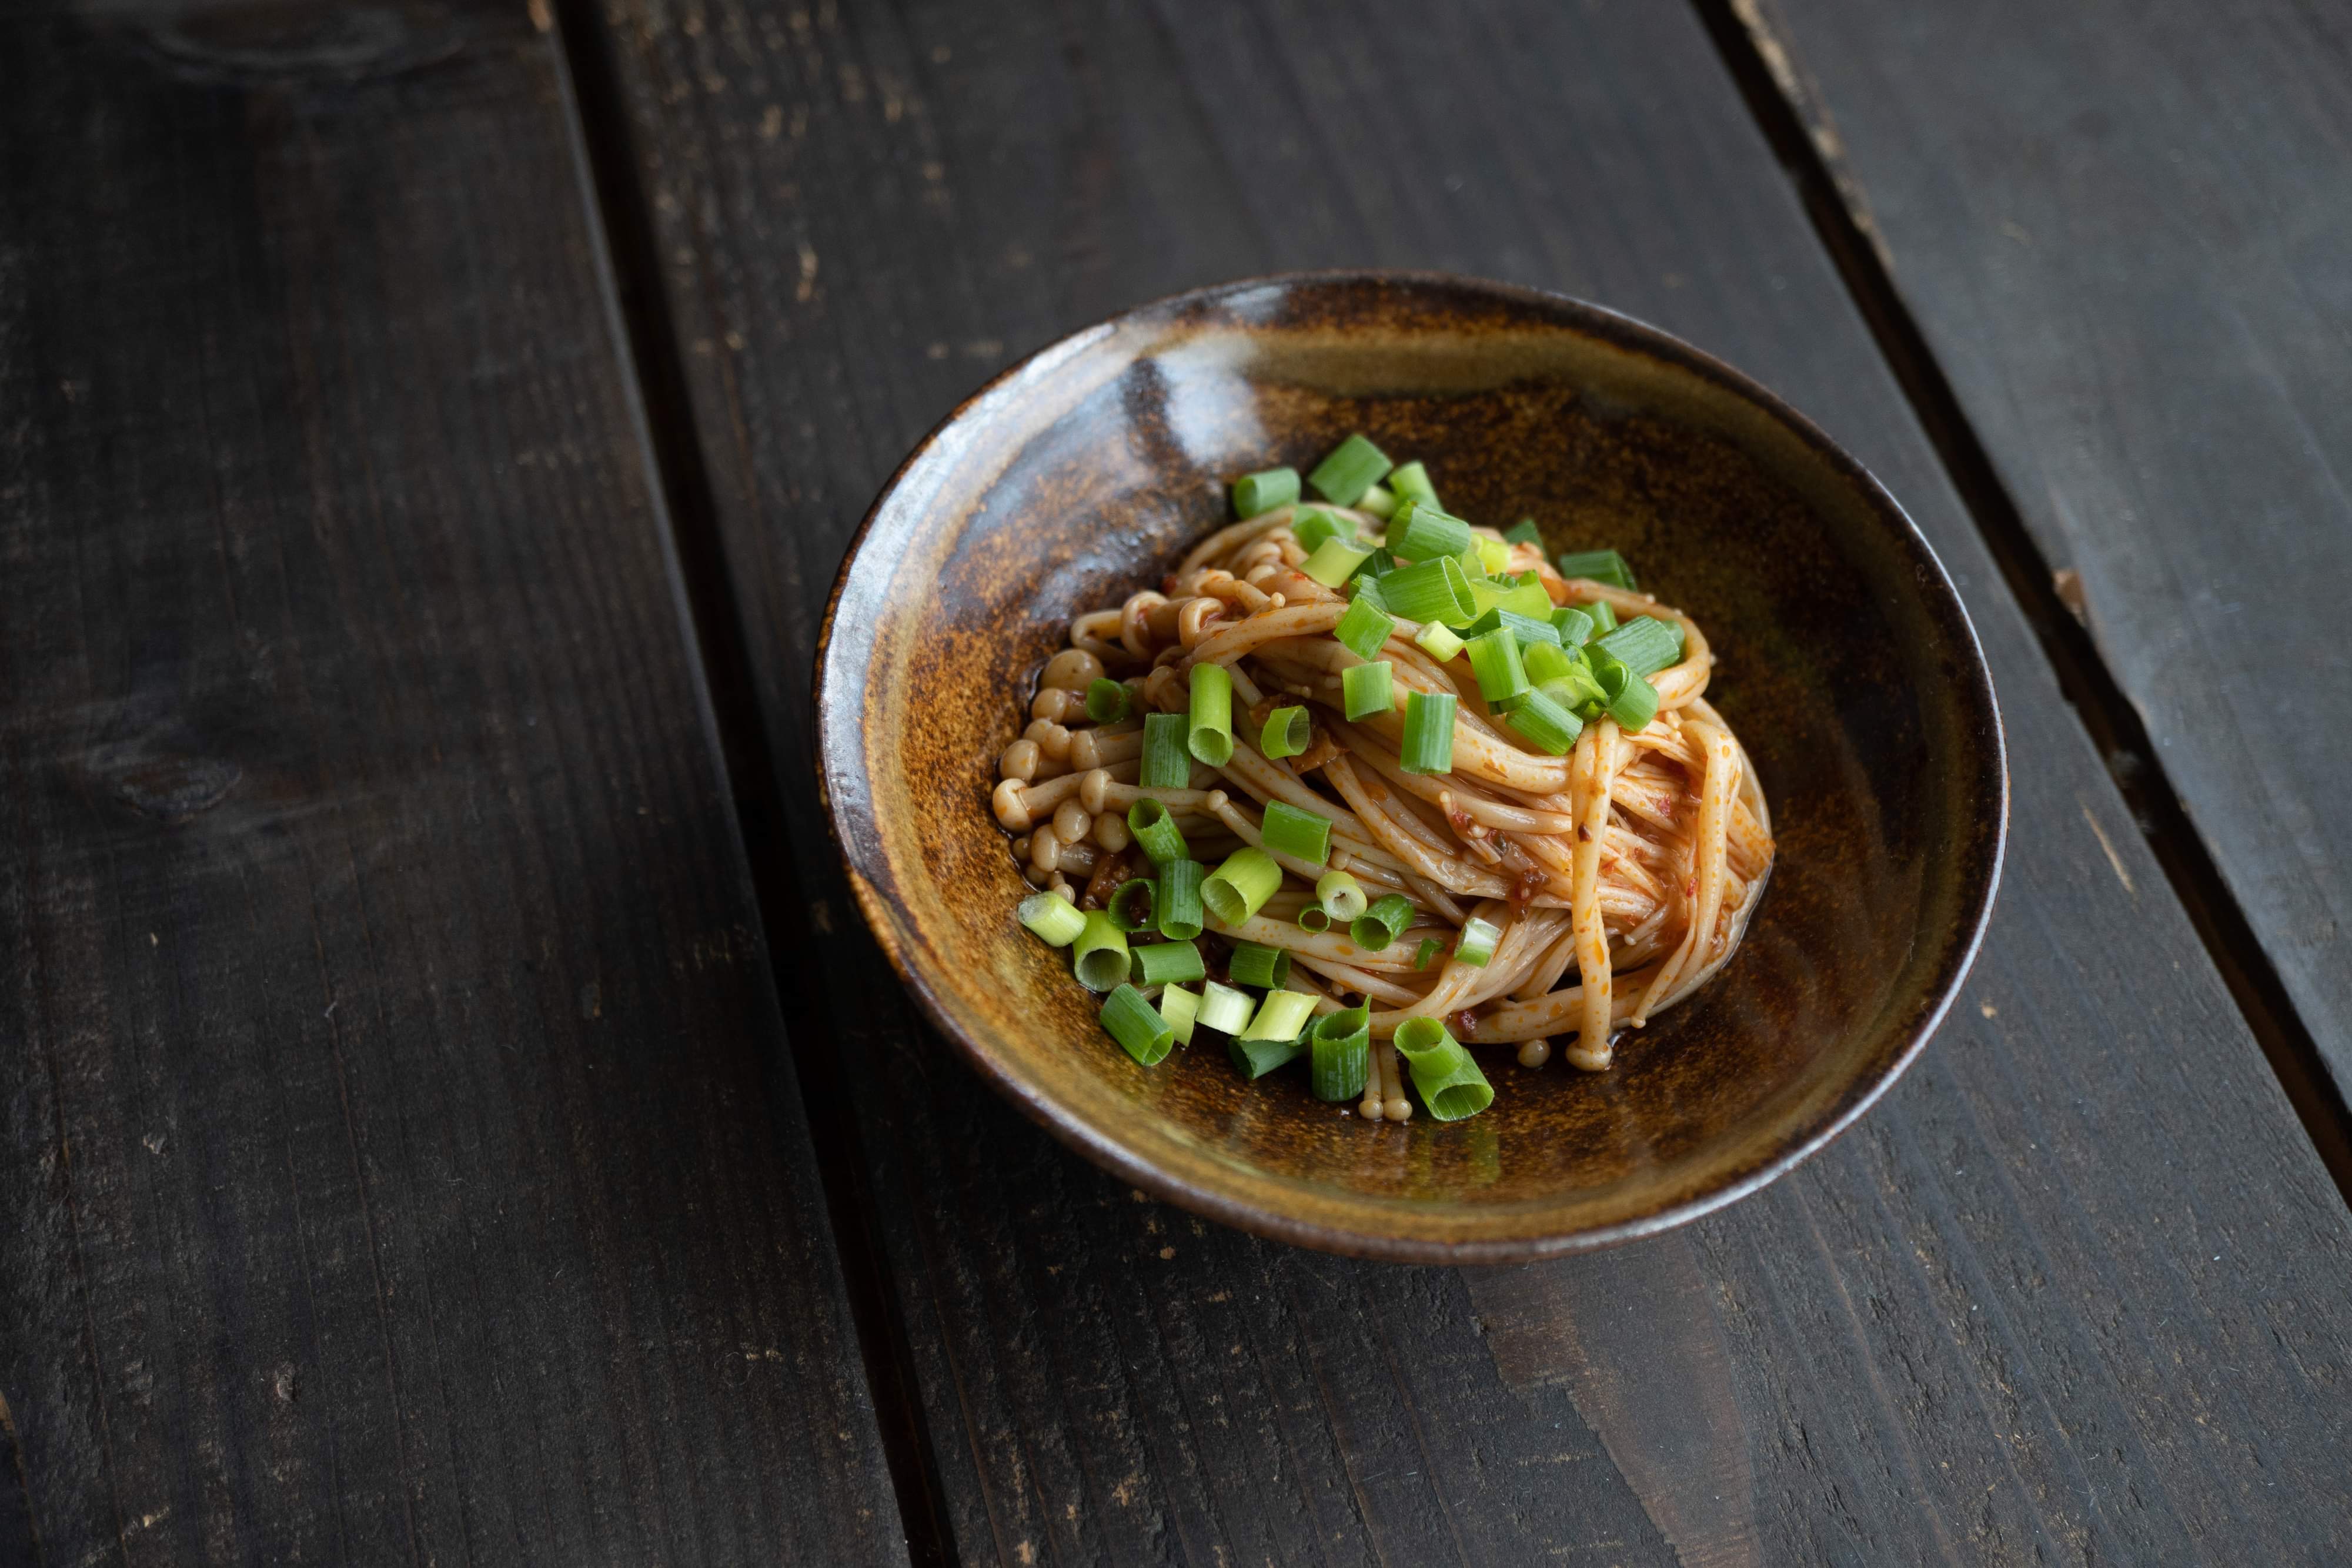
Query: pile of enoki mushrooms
point(1623, 875)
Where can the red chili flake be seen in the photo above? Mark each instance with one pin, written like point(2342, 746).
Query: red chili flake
point(1583, 834)
point(1168, 584)
point(1690, 887)
point(1464, 1021)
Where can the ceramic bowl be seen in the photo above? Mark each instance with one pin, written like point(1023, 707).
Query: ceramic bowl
point(1845, 663)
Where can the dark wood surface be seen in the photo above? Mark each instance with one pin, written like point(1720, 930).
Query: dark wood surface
point(2123, 230)
point(2075, 1291)
point(399, 1159)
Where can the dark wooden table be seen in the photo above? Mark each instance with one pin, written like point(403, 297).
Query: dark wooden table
point(450, 1110)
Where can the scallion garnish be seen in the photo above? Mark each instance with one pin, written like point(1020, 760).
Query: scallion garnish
point(1129, 908)
point(1430, 949)
point(1354, 467)
point(1099, 955)
point(1475, 945)
point(1209, 726)
point(1379, 500)
point(1523, 532)
point(1495, 660)
point(1235, 890)
point(1645, 644)
point(1420, 532)
point(1631, 700)
point(1310, 527)
point(1342, 1044)
point(1224, 1009)
point(1055, 919)
point(1428, 732)
point(1543, 723)
point(1166, 764)
point(1524, 597)
point(1531, 631)
point(1411, 482)
point(1264, 491)
point(1109, 701)
point(1340, 893)
point(1368, 689)
point(1438, 641)
point(1335, 562)
point(1254, 1059)
point(1300, 834)
point(1494, 554)
point(1546, 661)
point(1574, 627)
point(1430, 590)
point(1165, 963)
point(1450, 1082)
point(1176, 906)
point(1599, 566)
point(1378, 926)
point(1182, 1008)
point(1364, 628)
point(1603, 618)
point(1136, 1025)
point(1286, 731)
point(1256, 964)
point(1281, 1016)
point(1153, 829)
point(1313, 917)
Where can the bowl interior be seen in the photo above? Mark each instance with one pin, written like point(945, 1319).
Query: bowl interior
point(1844, 663)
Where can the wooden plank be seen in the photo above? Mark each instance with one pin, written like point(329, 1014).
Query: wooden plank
point(399, 1159)
point(2077, 1290)
point(2123, 230)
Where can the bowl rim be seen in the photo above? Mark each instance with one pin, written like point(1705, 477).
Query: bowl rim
point(833, 690)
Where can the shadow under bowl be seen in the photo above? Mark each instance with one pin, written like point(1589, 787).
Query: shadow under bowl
point(1844, 662)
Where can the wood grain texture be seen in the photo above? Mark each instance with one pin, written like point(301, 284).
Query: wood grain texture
point(398, 1157)
point(2076, 1292)
point(2123, 230)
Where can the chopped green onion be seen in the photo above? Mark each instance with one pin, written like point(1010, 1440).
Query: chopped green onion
point(1234, 890)
point(1161, 839)
point(1524, 532)
point(1055, 919)
point(1264, 491)
point(1130, 908)
point(1493, 554)
point(1340, 893)
point(1182, 1008)
point(1256, 964)
point(1176, 909)
point(1354, 467)
point(1364, 628)
point(1645, 644)
point(1136, 1025)
point(1109, 701)
point(1521, 597)
point(1224, 1009)
point(1280, 1016)
point(1342, 1047)
point(1544, 721)
point(1439, 641)
point(1379, 500)
point(1411, 482)
point(1302, 835)
point(1378, 926)
point(1254, 1059)
point(1604, 619)
point(1495, 660)
point(1286, 733)
point(1099, 955)
point(1209, 726)
point(1428, 732)
point(1599, 566)
point(1315, 917)
point(1367, 590)
point(1164, 963)
point(1376, 565)
point(1419, 531)
point(1574, 627)
point(1368, 689)
point(1450, 1082)
point(1531, 631)
point(1430, 590)
point(1166, 765)
point(1632, 701)
point(1430, 949)
point(1310, 527)
point(1475, 945)
point(1546, 661)
point(1335, 562)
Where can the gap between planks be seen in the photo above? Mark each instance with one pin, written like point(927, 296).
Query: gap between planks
point(1797, 125)
point(646, 337)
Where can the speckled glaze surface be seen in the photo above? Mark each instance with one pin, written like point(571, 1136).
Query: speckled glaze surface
point(1844, 661)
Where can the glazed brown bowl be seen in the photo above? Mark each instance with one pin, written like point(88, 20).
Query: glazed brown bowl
point(1845, 663)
